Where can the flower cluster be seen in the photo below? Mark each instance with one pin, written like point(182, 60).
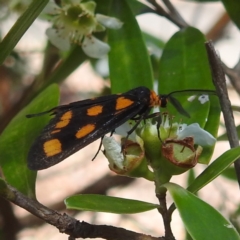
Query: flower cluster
point(177, 150)
point(75, 22)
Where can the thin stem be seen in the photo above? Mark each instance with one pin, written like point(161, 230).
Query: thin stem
point(67, 224)
point(219, 81)
point(165, 215)
point(234, 77)
point(171, 15)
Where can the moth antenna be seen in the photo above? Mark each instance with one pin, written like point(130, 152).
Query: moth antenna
point(40, 114)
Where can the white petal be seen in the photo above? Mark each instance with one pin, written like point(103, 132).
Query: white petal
point(203, 98)
point(123, 129)
point(191, 98)
point(94, 48)
point(201, 137)
point(109, 22)
point(113, 151)
point(181, 127)
point(56, 39)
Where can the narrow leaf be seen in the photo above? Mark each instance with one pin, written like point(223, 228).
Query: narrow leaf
point(215, 169)
point(129, 62)
point(184, 65)
point(20, 27)
point(201, 220)
point(17, 138)
point(101, 203)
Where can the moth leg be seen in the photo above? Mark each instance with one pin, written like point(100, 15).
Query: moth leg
point(99, 148)
point(100, 145)
point(138, 120)
point(156, 115)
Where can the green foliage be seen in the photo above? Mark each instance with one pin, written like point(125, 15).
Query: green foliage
point(214, 169)
point(198, 215)
point(20, 27)
point(19, 135)
point(129, 63)
point(101, 203)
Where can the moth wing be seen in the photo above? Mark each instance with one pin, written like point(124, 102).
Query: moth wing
point(74, 127)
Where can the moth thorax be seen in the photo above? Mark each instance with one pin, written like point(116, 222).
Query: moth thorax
point(154, 99)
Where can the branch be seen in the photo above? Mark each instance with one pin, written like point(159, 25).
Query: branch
point(166, 215)
point(234, 76)
point(101, 186)
point(219, 81)
point(69, 225)
point(171, 15)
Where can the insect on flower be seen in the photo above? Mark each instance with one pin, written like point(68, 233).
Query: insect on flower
point(78, 124)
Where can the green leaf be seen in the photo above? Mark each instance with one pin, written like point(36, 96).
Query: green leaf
point(211, 126)
point(17, 138)
point(101, 203)
point(20, 27)
point(184, 65)
point(215, 169)
point(138, 7)
point(201, 220)
point(233, 9)
point(129, 62)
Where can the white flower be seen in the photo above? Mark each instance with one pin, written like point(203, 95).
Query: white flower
point(94, 48)
point(58, 39)
point(109, 22)
point(203, 98)
point(113, 152)
point(75, 22)
point(201, 137)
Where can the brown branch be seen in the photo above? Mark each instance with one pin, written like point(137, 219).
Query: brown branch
point(171, 15)
point(69, 225)
point(234, 77)
point(166, 215)
point(101, 186)
point(219, 81)
point(217, 30)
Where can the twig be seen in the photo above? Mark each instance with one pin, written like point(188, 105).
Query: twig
point(166, 215)
point(171, 15)
point(69, 225)
point(219, 81)
point(234, 76)
point(101, 186)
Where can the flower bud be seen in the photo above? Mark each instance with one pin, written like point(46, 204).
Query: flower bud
point(127, 159)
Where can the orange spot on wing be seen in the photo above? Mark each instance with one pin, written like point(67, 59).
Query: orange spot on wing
point(94, 111)
point(122, 103)
point(85, 130)
point(64, 120)
point(52, 147)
